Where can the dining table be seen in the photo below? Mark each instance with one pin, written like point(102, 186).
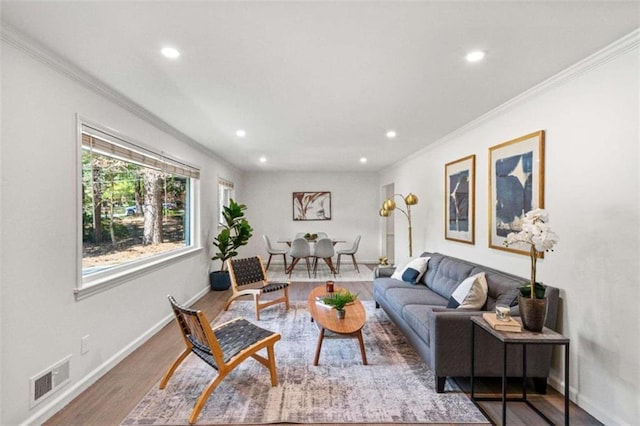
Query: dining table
point(288, 242)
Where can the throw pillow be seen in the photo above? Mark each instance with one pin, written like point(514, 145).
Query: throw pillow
point(412, 271)
point(470, 294)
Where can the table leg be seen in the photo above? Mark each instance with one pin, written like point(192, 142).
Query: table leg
point(318, 347)
point(566, 384)
point(473, 358)
point(364, 355)
point(504, 384)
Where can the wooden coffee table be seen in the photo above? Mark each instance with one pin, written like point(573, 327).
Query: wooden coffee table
point(326, 318)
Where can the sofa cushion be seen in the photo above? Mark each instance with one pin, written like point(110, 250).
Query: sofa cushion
point(450, 273)
point(416, 317)
point(398, 297)
point(471, 293)
point(412, 271)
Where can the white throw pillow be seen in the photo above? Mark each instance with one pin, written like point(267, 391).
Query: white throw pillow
point(412, 271)
point(470, 294)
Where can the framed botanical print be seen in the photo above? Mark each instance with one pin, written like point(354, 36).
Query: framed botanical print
point(516, 186)
point(459, 200)
point(312, 205)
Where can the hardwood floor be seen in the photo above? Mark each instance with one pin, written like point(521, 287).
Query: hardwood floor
point(108, 401)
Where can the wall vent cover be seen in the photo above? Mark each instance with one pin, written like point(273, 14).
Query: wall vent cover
point(50, 380)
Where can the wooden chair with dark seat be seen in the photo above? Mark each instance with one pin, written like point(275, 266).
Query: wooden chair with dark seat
point(223, 347)
point(249, 278)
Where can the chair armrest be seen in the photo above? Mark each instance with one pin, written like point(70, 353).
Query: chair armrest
point(383, 271)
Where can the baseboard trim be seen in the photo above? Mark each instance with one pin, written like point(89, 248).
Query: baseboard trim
point(71, 392)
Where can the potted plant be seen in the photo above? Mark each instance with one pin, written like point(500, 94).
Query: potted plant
point(339, 300)
point(235, 233)
point(538, 236)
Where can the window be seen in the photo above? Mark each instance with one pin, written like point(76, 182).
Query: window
point(225, 193)
point(136, 205)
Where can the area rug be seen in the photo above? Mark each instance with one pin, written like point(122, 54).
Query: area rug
point(347, 273)
point(396, 386)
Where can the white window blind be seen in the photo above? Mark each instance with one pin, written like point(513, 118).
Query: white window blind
point(104, 143)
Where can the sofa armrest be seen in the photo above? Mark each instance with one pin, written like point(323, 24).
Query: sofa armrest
point(383, 271)
point(450, 340)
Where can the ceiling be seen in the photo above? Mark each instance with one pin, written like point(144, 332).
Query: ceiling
point(316, 85)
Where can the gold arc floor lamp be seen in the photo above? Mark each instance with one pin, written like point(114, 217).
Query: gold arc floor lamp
point(389, 205)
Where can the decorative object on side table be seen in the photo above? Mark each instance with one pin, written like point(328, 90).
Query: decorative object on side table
point(383, 261)
point(235, 233)
point(339, 300)
point(538, 236)
point(389, 205)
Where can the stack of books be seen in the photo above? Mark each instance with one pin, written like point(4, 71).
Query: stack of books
point(510, 325)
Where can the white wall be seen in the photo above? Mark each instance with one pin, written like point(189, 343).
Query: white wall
point(592, 194)
point(354, 209)
point(41, 321)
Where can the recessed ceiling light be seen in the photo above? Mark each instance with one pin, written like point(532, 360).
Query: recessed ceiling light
point(475, 56)
point(241, 133)
point(363, 160)
point(263, 159)
point(391, 134)
point(170, 52)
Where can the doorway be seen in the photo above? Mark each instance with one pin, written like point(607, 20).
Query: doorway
point(388, 237)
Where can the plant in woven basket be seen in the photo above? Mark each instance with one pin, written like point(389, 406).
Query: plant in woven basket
point(538, 236)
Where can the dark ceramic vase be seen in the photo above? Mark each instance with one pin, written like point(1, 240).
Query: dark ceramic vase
point(532, 312)
point(219, 280)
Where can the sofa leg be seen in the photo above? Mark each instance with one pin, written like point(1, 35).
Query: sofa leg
point(377, 305)
point(540, 385)
point(440, 381)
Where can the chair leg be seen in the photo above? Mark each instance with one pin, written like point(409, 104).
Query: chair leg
point(338, 267)
point(272, 365)
point(355, 265)
point(204, 396)
point(256, 300)
point(268, 262)
point(294, 262)
point(308, 267)
point(284, 257)
point(172, 368)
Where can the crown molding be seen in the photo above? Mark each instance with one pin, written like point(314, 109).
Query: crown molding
point(34, 49)
point(614, 50)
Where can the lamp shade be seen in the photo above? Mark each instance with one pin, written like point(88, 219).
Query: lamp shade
point(411, 199)
point(384, 213)
point(389, 205)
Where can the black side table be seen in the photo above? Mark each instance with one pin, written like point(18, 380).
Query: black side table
point(525, 338)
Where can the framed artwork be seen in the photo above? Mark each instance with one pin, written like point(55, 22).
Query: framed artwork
point(516, 185)
point(312, 205)
point(460, 200)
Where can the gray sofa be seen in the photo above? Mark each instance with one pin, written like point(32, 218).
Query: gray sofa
point(442, 336)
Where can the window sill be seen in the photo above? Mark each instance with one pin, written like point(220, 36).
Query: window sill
point(98, 285)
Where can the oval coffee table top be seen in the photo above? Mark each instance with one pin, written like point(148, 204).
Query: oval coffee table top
point(326, 317)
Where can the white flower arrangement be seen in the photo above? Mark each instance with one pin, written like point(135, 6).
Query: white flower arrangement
point(537, 234)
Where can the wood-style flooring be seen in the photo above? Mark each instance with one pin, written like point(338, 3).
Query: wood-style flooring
point(108, 401)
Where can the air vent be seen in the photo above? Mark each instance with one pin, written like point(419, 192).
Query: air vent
point(50, 380)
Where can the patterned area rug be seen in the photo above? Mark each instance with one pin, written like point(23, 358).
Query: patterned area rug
point(396, 386)
point(347, 273)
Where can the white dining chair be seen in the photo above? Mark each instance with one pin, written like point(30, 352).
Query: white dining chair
point(274, 252)
point(300, 249)
point(324, 250)
point(350, 252)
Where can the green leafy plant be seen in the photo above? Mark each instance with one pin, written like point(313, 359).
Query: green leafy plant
point(340, 299)
point(235, 233)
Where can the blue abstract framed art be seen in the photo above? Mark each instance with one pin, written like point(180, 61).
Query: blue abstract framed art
point(516, 185)
point(460, 200)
